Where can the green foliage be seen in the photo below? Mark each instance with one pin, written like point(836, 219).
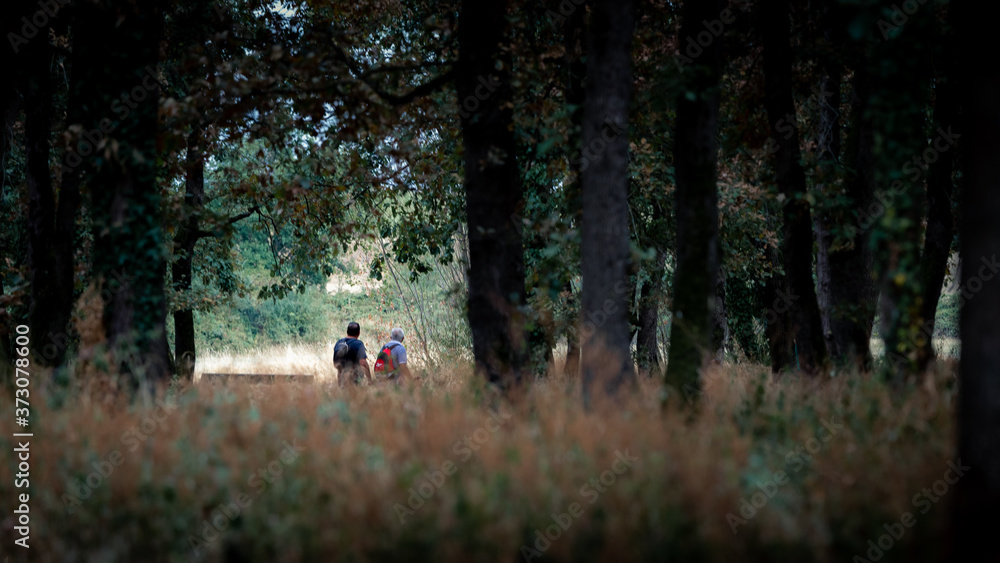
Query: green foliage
point(248, 322)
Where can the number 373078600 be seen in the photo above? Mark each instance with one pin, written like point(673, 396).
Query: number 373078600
point(21, 364)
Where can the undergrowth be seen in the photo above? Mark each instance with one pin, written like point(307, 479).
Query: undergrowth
point(445, 470)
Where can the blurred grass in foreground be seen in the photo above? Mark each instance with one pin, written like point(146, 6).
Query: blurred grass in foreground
point(342, 464)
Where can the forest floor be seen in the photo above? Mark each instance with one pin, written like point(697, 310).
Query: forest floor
point(765, 469)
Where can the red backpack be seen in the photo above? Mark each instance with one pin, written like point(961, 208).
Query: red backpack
point(384, 361)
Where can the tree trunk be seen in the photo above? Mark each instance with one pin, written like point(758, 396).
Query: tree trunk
point(128, 241)
point(940, 226)
point(607, 358)
point(10, 67)
point(975, 516)
point(797, 239)
point(829, 158)
point(853, 291)
point(647, 346)
point(51, 225)
point(780, 338)
point(720, 318)
point(899, 101)
point(184, 243)
point(696, 205)
point(493, 195)
point(830, 169)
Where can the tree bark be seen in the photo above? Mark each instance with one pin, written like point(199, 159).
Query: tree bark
point(607, 358)
point(829, 159)
point(780, 338)
point(10, 67)
point(185, 240)
point(493, 195)
point(128, 240)
point(940, 226)
point(696, 205)
point(51, 224)
point(720, 318)
point(647, 345)
point(853, 291)
point(901, 80)
point(797, 239)
point(975, 517)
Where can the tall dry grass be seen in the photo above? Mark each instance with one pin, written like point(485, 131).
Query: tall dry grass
point(365, 450)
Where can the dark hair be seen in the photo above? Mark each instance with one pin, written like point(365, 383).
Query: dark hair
point(353, 329)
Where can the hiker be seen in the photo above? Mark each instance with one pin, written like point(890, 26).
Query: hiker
point(349, 357)
point(391, 362)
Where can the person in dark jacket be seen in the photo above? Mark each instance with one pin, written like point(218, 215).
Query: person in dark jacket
point(350, 358)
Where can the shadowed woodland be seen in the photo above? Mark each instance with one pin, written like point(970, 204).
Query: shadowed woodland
point(732, 239)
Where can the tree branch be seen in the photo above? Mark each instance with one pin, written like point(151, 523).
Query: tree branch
point(229, 222)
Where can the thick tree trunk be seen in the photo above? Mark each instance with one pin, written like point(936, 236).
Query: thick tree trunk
point(697, 214)
point(647, 345)
point(853, 291)
point(976, 515)
point(50, 224)
point(493, 195)
point(128, 240)
point(940, 226)
point(901, 79)
point(607, 358)
point(184, 243)
point(797, 240)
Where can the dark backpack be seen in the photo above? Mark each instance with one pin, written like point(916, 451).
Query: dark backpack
point(342, 353)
